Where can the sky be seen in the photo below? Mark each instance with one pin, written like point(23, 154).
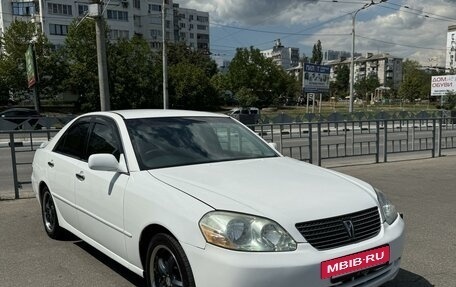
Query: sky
point(413, 29)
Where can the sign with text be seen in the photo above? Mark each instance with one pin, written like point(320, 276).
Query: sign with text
point(316, 78)
point(442, 85)
point(30, 64)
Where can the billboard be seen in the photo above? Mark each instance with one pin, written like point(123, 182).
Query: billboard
point(441, 85)
point(316, 78)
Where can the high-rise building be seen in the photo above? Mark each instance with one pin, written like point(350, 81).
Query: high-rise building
point(125, 18)
point(387, 68)
point(450, 65)
point(285, 57)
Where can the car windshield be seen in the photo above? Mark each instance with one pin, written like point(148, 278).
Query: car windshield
point(177, 141)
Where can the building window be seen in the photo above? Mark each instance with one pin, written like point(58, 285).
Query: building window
point(56, 29)
point(155, 8)
point(154, 33)
point(182, 36)
point(155, 45)
point(192, 36)
point(137, 4)
point(168, 24)
point(202, 19)
point(182, 25)
point(60, 9)
point(83, 9)
point(137, 20)
point(190, 17)
point(23, 8)
point(181, 16)
point(191, 27)
point(118, 15)
point(119, 34)
point(202, 27)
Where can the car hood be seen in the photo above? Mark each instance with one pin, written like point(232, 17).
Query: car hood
point(282, 189)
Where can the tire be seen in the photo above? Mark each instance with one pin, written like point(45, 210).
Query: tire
point(49, 215)
point(167, 265)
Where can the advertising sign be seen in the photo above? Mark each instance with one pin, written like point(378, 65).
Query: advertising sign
point(30, 64)
point(442, 85)
point(316, 78)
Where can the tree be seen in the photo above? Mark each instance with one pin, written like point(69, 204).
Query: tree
point(81, 55)
point(450, 101)
point(190, 88)
point(317, 53)
point(131, 75)
point(365, 87)
point(190, 74)
point(251, 71)
point(416, 83)
point(342, 84)
point(15, 41)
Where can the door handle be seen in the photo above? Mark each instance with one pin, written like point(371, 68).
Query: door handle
point(51, 163)
point(80, 176)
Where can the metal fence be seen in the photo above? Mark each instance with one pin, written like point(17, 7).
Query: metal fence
point(378, 139)
point(313, 142)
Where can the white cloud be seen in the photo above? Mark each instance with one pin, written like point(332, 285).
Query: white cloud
point(387, 22)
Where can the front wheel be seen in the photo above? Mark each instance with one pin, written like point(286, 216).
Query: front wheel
point(167, 265)
point(49, 214)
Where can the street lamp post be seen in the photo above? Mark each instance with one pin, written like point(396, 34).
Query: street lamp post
point(165, 59)
point(352, 63)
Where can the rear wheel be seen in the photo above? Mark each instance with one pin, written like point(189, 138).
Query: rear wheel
point(167, 265)
point(49, 214)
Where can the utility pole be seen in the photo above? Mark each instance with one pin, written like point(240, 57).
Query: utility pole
point(352, 63)
point(95, 11)
point(165, 59)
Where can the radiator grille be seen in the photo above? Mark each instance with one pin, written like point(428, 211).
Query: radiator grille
point(341, 230)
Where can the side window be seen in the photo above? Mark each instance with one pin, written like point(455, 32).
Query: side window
point(104, 139)
point(73, 141)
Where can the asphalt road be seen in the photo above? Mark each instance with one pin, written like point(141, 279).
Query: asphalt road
point(423, 190)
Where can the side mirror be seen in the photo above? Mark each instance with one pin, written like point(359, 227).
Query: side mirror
point(107, 162)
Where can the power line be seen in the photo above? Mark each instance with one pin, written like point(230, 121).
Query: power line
point(402, 45)
point(277, 32)
point(422, 13)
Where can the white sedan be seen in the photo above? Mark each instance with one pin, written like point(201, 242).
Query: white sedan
point(197, 199)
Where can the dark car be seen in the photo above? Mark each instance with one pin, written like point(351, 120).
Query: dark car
point(20, 116)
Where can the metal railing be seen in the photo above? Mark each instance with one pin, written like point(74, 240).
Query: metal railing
point(313, 142)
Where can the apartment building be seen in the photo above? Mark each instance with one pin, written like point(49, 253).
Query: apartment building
point(387, 68)
point(125, 18)
point(450, 65)
point(285, 57)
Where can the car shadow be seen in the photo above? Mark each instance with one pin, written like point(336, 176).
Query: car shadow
point(131, 277)
point(408, 279)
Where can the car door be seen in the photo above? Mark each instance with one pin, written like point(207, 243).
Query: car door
point(100, 194)
point(63, 162)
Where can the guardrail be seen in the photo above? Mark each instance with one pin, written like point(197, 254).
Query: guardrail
point(313, 142)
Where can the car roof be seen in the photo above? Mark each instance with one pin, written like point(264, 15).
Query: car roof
point(156, 113)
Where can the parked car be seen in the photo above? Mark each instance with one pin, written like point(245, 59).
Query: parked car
point(20, 116)
point(248, 115)
point(197, 199)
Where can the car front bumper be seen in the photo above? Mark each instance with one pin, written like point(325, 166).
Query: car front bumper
point(214, 266)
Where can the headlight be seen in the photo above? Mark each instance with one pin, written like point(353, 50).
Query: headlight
point(388, 209)
point(245, 232)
